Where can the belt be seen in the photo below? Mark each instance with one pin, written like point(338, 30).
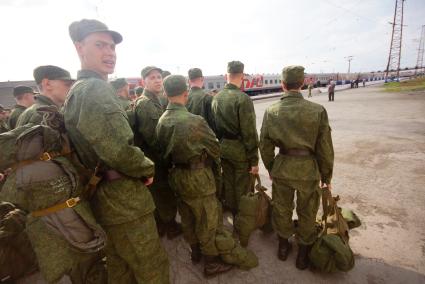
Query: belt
point(111, 175)
point(294, 152)
point(230, 136)
point(191, 166)
point(67, 204)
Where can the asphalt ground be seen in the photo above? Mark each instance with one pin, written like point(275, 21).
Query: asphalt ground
point(379, 141)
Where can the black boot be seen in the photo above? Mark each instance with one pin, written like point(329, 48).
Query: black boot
point(214, 266)
point(195, 254)
point(302, 257)
point(285, 248)
point(174, 229)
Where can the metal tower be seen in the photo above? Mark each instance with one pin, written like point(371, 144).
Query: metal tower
point(420, 60)
point(396, 37)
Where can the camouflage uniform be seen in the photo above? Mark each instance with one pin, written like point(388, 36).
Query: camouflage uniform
point(125, 103)
point(234, 117)
point(14, 116)
point(30, 115)
point(300, 129)
point(99, 130)
point(186, 139)
point(148, 110)
point(200, 103)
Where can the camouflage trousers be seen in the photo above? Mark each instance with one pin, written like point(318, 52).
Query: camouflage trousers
point(134, 253)
point(308, 200)
point(237, 181)
point(200, 221)
point(164, 197)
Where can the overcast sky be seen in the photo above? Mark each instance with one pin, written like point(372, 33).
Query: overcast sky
point(176, 35)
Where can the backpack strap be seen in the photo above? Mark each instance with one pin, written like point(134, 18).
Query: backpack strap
point(67, 204)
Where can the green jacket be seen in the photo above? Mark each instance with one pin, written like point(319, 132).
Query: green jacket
point(148, 110)
point(200, 103)
point(99, 130)
point(185, 138)
point(234, 116)
point(3, 126)
point(30, 115)
point(14, 116)
point(296, 123)
point(125, 103)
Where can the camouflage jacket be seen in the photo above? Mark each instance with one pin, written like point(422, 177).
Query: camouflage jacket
point(147, 112)
point(3, 126)
point(234, 116)
point(296, 123)
point(30, 115)
point(125, 103)
point(14, 116)
point(185, 138)
point(200, 103)
point(101, 135)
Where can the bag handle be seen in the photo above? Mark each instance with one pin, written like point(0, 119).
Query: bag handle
point(258, 186)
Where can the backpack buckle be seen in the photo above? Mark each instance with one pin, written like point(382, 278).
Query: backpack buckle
point(72, 202)
point(45, 157)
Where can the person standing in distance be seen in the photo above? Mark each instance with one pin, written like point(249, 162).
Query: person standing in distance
point(101, 135)
point(24, 97)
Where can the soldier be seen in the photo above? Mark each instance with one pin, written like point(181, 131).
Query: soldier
point(234, 118)
point(98, 128)
point(3, 119)
point(139, 91)
point(199, 101)
point(310, 87)
point(54, 83)
point(24, 97)
point(190, 147)
point(331, 90)
point(122, 91)
point(148, 110)
point(300, 129)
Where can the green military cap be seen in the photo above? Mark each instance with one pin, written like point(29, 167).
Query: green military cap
point(119, 83)
point(293, 74)
point(52, 73)
point(148, 69)
point(235, 67)
point(139, 90)
point(78, 30)
point(20, 90)
point(165, 73)
point(175, 85)
point(194, 73)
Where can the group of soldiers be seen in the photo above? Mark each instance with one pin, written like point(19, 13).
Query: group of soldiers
point(179, 149)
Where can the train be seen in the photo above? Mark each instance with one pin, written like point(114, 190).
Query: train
point(255, 84)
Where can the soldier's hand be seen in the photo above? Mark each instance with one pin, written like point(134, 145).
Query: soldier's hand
point(254, 170)
point(323, 185)
point(1, 177)
point(149, 181)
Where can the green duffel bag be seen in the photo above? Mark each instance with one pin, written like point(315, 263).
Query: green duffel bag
point(330, 254)
point(331, 251)
point(352, 220)
point(254, 213)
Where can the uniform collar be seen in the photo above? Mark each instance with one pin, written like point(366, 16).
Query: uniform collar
point(19, 106)
point(195, 88)
point(174, 106)
point(41, 99)
point(292, 94)
point(84, 74)
point(230, 86)
point(151, 95)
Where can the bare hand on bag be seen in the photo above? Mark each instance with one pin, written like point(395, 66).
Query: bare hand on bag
point(254, 170)
point(149, 181)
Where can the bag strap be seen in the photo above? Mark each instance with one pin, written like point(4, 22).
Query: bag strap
point(258, 185)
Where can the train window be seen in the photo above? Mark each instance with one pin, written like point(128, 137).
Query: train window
point(275, 81)
point(266, 82)
point(210, 85)
point(280, 81)
point(218, 85)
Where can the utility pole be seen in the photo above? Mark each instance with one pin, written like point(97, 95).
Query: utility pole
point(396, 39)
point(420, 60)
